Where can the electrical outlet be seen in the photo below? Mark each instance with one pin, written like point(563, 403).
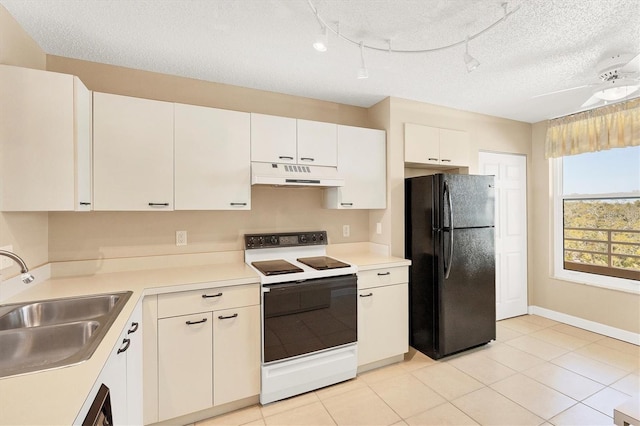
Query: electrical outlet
point(181, 238)
point(5, 262)
point(346, 230)
point(378, 228)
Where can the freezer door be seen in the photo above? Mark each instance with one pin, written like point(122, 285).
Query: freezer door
point(472, 200)
point(467, 299)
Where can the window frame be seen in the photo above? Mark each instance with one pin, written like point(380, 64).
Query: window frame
point(558, 270)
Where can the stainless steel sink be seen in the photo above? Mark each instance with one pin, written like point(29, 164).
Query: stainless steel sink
point(59, 311)
point(55, 333)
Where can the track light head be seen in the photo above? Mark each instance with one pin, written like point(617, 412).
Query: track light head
point(471, 62)
point(322, 41)
point(363, 73)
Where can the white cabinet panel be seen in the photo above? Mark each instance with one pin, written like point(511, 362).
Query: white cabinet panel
point(454, 147)
point(317, 143)
point(45, 137)
point(443, 148)
point(185, 371)
point(362, 163)
point(212, 159)
point(236, 354)
point(133, 153)
point(383, 321)
point(421, 144)
point(273, 139)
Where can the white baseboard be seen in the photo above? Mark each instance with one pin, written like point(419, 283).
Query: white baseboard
point(593, 326)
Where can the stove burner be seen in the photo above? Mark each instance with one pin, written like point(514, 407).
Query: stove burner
point(275, 267)
point(322, 262)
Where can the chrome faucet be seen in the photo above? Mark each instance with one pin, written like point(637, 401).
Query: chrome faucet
point(26, 276)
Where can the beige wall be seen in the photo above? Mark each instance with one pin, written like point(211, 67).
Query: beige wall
point(613, 308)
point(26, 232)
point(98, 235)
point(144, 84)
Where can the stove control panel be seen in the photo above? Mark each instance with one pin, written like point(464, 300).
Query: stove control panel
point(285, 239)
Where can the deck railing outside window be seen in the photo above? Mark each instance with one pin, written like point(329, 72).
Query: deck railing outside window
point(602, 236)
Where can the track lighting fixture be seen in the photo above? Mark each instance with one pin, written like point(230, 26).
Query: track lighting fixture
point(362, 71)
point(322, 41)
point(471, 62)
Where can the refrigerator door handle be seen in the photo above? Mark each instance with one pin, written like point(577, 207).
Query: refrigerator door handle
point(449, 261)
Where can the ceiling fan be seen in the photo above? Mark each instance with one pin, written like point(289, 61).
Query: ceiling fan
point(619, 78)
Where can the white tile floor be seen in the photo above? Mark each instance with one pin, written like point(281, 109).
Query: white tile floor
point(537, 372)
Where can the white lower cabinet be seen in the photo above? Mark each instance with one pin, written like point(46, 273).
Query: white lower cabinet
point(236, 354)
point(208, 348)
point(383, 314)
point(122, 374)
point(185, 376)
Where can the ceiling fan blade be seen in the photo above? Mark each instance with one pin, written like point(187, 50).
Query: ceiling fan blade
point(564, 90)
point(633, 66)
point(591, 101)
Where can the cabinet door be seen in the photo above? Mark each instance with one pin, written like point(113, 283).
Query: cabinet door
point(184, 365)
point(212, 159)
point(83, 110)
point(273, 139)
point(45, 117)
point(317, 143)
point(454, 147)
point(383, 322)
point(236, 354)
point(133, 153)
point(421, 144)
point(134, 367)
point(362, 163)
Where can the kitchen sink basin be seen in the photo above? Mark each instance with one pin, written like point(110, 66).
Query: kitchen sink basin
point(55, 333)
point(59, 311)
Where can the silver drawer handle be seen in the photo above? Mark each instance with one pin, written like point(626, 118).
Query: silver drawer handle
point(134, 328)
point(366, 295)
point(381, 274)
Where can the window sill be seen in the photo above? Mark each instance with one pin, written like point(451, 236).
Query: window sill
point(610, 283)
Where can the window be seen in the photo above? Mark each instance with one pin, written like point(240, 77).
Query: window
point(597, 218)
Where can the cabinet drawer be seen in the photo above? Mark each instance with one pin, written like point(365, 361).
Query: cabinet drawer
point(210, 299)
point(383, 276)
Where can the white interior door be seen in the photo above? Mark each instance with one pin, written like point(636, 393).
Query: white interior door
point(510, 171)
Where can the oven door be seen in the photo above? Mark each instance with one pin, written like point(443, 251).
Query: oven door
point(308, 316)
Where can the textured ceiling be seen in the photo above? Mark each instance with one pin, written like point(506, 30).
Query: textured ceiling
point(547, 45)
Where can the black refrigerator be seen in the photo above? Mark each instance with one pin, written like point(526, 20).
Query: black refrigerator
point(449, 238)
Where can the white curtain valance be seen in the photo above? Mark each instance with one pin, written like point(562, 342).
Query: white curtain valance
point(611, 126)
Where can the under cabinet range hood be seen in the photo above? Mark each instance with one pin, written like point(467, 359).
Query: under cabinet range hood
point(294, 175)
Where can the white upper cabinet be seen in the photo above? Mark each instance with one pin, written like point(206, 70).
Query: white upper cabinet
point(45, 137)
point(273, 139)
point(287, 140)
point(212, 159)
point(425, 145)
point(362, 163)
point(317, 143)
point(133, 153)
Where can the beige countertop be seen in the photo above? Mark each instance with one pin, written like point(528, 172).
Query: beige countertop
point(54, 397)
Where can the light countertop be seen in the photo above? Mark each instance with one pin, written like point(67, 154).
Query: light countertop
point(54, 397)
